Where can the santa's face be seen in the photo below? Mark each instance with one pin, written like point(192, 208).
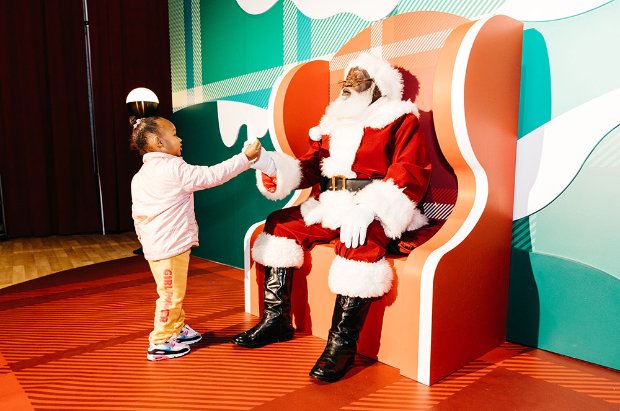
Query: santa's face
point(357, 94)
point(357, 81)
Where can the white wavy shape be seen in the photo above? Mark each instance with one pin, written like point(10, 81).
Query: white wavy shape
point(256, 6)
point(232, 115)
point(369, 10)
point(537, 10)
point(549, 157)
point(482, 190)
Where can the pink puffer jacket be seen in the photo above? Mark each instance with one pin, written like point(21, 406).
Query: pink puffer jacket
point(163, 200)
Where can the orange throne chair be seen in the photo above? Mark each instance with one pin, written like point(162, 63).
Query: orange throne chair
point(448, 303)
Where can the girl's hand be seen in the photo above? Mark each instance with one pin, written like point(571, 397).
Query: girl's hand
point(252, 151)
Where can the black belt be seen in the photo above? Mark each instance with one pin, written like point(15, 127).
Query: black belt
point(342, 183)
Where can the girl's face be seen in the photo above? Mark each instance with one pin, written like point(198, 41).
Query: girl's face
point(166, 141)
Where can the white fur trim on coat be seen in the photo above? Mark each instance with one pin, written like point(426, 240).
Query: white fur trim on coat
point(393, 208)
point(329, 210)
point(274, 251)
point(312, 211)
point(418, 220)
point(378, 115)
point(387, 111)
point(346, 136)
point(343, 145)
point(359, 278)
point(288, 175)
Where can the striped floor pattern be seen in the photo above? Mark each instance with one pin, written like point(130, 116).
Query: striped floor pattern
point(76, 340)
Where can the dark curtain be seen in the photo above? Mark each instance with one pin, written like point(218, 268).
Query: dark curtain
point(47, 168)
point(130, 48)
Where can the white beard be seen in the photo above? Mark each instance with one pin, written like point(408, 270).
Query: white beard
point(344, 120)
point(350, 108)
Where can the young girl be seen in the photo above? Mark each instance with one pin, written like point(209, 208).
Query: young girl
point(163, 214)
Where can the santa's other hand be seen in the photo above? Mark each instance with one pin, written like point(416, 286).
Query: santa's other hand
point(355, 226)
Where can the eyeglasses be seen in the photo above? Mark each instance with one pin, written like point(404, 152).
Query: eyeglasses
point(352, 83)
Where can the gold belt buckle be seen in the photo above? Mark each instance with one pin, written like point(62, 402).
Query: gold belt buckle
point(343, 180)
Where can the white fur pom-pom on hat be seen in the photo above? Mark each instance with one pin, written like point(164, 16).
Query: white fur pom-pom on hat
point(315, 133)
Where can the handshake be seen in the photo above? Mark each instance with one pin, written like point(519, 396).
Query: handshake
point(260, 159)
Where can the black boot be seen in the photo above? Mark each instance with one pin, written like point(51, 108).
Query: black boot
point(339, 354)
point(276, 325)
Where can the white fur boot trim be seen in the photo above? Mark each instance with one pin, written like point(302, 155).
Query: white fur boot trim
point(359, 278)
point(274, 251)
point(288, 176)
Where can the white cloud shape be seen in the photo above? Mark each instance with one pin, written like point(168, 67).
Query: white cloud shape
point(369, 10)
point(256, 6)
point(537, 10)
point(549, 157)
point(232, 115)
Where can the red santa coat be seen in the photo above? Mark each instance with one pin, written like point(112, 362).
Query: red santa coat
point(384, 143)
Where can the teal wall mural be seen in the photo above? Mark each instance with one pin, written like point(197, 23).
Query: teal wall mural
point(224, 213)
point(535, 102)
point(565, 276)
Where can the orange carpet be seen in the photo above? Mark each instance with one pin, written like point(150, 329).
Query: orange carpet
point(77, 340)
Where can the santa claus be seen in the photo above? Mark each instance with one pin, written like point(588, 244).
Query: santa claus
point(371, 160)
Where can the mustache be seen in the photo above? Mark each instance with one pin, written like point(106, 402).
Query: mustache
point(357, 94)
point(350, 106)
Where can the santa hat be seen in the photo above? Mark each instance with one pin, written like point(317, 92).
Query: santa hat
point(386, 77)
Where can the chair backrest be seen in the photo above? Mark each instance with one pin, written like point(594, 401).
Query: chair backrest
point(412, 43)
point(450, 297)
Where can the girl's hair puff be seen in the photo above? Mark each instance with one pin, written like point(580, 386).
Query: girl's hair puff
point(141, 127)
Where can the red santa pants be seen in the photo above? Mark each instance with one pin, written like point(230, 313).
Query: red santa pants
point(289, 223)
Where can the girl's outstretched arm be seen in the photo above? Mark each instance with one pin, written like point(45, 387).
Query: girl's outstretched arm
point(194, 178)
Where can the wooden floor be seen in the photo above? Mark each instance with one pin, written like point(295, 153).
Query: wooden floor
point(29, 258)
point(77, 340)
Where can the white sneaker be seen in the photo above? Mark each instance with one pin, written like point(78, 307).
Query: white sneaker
point(169, 349)
point(187, 335)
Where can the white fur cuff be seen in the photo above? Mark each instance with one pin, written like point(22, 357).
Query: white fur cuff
point(393, 208)
point(333, 207)
point(288, 175)
point(359, 278)
point(274, 251)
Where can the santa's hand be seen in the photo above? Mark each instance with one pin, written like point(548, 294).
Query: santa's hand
point(265, 163)
point(270, 183)
point(355, 224)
